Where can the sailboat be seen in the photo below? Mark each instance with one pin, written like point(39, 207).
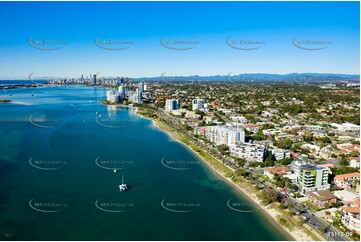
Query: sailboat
point(123, 186)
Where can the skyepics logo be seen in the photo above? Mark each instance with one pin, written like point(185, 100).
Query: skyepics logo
point(294, 77)
point(9, 235)
point(39, 80)
point(307, 44)
point(179, 207)
point(47, 165)
point(109, 164)
point(233, 79)
point(111, 122)
point(113, 207)
point(47, 44)
point(47, 122)
point(179, 44)
point(238, 79)
point(113, 44)
point(241, 207)
point(242, 44)
point(179, 165)
point(47, 207)
point(173, 80)
point(167, 79)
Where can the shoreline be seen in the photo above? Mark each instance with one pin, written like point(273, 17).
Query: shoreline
point(268, 212)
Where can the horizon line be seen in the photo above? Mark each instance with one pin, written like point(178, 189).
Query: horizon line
point(230, 74)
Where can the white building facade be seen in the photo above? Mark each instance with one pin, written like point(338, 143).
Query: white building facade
point(171, 104)
point(199, 104)
point(313, 178)
point(248, 151)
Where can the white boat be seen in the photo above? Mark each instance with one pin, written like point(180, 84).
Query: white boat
point(115, 170)
point(123, 186)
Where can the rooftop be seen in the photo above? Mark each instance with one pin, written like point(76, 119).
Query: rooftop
point(356, 202)
point(346, 195)
point(281, 170)
point(351, 210)
point(322, 195)
point(344, 176)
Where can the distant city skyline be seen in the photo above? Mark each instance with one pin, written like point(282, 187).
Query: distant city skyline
point(146, 39)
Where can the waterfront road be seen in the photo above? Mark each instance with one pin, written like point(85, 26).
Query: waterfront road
point(326, 229)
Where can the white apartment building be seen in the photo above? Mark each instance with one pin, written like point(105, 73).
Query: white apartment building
point(135, 97)
point(248, 151)
point(138, 97)
point(346, 127)
point(347, 180)
point(220, 135)
point(280, 154)
point(313, 127)
point(313, 178)
point(351, 217)
point(353, 84)
point(355, 162)
point(171, 104)
point(239, 119)
point(141, 86)
point(112, 96)
point(351, 127)
point(296, 165)
point(199, 104)
point(109, 94)
point(121, 92)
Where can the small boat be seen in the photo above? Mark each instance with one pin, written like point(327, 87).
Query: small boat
point(123, 186)
point(115, 170)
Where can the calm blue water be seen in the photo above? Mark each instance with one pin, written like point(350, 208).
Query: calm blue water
point(18, 82)
point(57, 180)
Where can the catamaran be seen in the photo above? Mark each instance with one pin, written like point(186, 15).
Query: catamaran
point(123, 186)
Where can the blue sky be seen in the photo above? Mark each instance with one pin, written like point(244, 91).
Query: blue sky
point(335, 25)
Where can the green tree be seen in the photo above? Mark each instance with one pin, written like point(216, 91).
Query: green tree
point(269, 160)
point(268, 197)
point(344, 161)
point(284, 161)
point(224, 149)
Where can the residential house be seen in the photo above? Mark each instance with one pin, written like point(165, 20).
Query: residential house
point(355, 162)
point(347, 180)
point(279, 171)
point(253, 127)
point(351, 218)
point(322, 198)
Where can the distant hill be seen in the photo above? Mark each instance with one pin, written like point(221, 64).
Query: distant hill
point(257, 77)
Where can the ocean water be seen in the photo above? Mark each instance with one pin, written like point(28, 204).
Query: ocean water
point(58, 151)
point(19, 82)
